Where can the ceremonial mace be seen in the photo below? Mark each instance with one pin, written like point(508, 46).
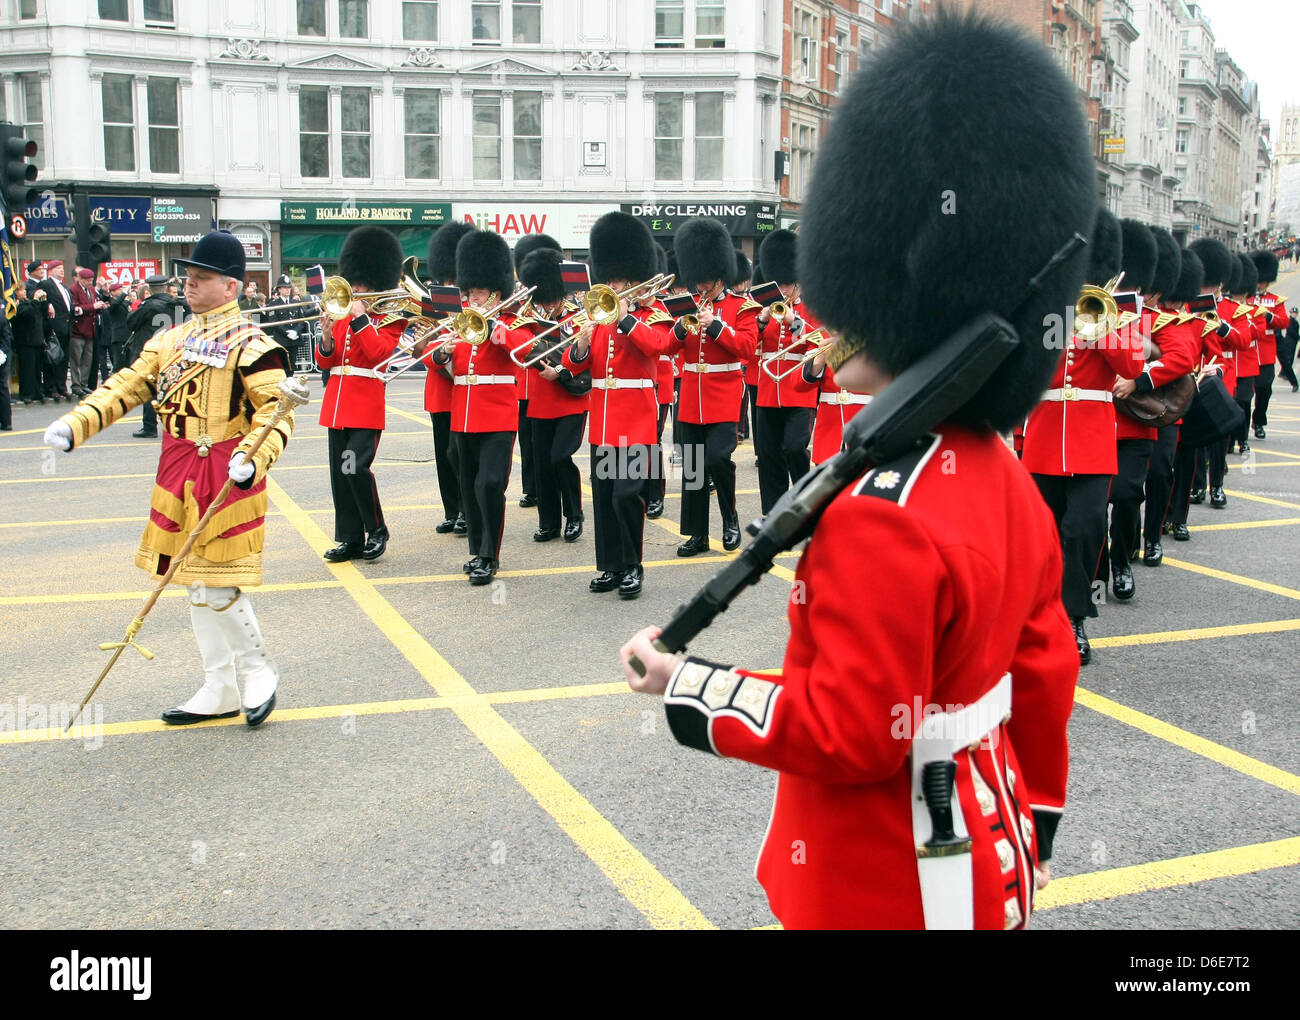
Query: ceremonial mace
point(293, 393)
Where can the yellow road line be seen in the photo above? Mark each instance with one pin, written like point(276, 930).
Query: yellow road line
point(297, 438)
point(280, 469)
point(1261, 499)
point(1197, 634)
point(1280, 522)
point(1223, 575)
point(627, 868)
point(1140, 878)
point(138, 520)
point(1224, 756)
point(1278, 453)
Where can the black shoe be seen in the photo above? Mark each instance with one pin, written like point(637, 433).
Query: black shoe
point(731, 534)
point(712, 487)
point(546, 534)
point(605, 581)
point(462, 526)
point(375, 545)
point(1259, 432)
point(1295, 388)
point(1180, 533)
point(1217, 499)
point(145, 434)
point(655, 509)
point(1198, 496)
point(694, 545)
point(1122, 582)
point(179, 717)
point(630, 586)
point(444, 527)
point(573, 530)
point(472, 565)
point(1245, 448)
point(528, 500)
point(344, 551)
point(256, 716)
point(1152, 556)
point(484, 572)
point(1134, 555)
point(1081, 642)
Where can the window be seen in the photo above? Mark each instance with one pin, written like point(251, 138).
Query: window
point(164, 126)
point(840, 64)
point(160, 13)
point(487, 138)
point(1180, 142)
point(356, 132)
point(528, 136)
point(311, 17)
point(421, 134)
point(31, 112)
point(805, 144)
point(26, 9)
point(807, 35)
point(708, 136)
point(487, 25)
point(113, 10)
point(314, 131)
point(352, 23)
point(119, 123)
point(668, 138)
point(1182, 106)
point(670, 23)
point(1182, 69)
point(710, 17)
point(526, 20)
point(420, 22)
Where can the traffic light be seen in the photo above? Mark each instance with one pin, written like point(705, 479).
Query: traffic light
point(92, 236)
point(16, 174)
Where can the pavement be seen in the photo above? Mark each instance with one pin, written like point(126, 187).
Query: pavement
point(452, 757)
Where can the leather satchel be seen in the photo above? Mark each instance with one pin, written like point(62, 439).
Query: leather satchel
point(1162, 406)
point(53, 350)
point(1212, 415)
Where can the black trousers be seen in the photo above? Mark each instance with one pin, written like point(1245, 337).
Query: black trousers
point(444, 462)
point(1211, 460)
point(559, 482)
point(149, 417)
point(1126, 493)
point(1263, 395)
point(1184, 476)
point(1078, 502)
point(677, 401)
point(706, 453)
point(357, 512)
point(6, 410)
point(29, 372)
point(483, 460)
point(1286, 346)
point(1160, 483)
point(1244, 396)
point(618, 503)
point(528, 474)
point(781, 438)
point(656, 486)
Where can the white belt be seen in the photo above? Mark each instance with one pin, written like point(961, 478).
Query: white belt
point(483, 380)
point(1072, 393)
point(610, 383)
point(365, 373)
point(666, 357)
point(692, 366)
point(845, 397)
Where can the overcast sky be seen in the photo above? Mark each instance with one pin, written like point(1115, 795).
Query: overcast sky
point(1263, 37)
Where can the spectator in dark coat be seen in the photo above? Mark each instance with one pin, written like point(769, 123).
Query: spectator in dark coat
point(58, 324)
point(29, 334)
point(113, 330)
point(6, 367)
point(158, 310)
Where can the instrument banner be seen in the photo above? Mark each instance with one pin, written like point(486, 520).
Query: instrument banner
point(681, 304)
point(575, 276)
point(765, 294)
point(441, 302)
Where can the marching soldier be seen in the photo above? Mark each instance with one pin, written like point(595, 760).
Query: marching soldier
point(666, 394)
point(1247, 319)
point(715, 352)
point(740, 284)
point(836, 408)
point(1070, 439)
point(215, 380)
point(525, 246)
point(1191, 281)
point(1273, 309)
point(960, 620)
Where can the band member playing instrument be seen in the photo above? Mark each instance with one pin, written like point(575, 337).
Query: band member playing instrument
point(740, 284)
point(1246, 318)
point(715, 353)
point(215, 380)
point(969, 613)
point(353, 406)
point(656, 486)
point(557, 417)
point(837, 407)
point(1276, 321)
point(525, 246)
point(1191, 281)
point(485, 405)
point(623, 359)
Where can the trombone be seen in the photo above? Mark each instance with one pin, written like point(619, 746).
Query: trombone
point(599, 307)
point(824, 344)
point(469, 326)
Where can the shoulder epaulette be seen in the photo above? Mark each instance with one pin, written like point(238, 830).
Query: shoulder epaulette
point(658, 315)
point(1164, 319)
point(893, 480)
point(1241, 310)
point(520, 322)
point(750, 303)
point(388, 320)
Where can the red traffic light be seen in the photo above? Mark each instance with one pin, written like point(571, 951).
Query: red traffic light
point(29, 150)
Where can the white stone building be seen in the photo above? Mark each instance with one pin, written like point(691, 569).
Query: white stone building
point(1198, 99)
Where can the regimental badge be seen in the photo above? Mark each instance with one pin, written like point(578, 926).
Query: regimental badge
point(170, 377)
point(887, 480)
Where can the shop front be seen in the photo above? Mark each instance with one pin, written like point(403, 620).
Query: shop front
point(747, 222)
point(312, 233)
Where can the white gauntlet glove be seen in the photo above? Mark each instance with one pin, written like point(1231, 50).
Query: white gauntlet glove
point(241, 468)
point(59, 436)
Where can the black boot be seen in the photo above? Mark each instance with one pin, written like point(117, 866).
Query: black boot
point(1121, 582)
point(1081, 640)
point(375, 544)
point(1197, 496)
point(1217, 499)
point(731, 533)
point(484, 572)
point(630, 586)
point(1180, 533)
point(605, 581)
point(1152, 555)
point(694, 545)
point(343, 552)
point(461, 527)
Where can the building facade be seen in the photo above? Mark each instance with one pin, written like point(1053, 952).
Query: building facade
point(1144, 35)
point(1198, 103)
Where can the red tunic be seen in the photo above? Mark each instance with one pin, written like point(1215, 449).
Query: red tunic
point(1225, 348)
point(356, 401)
point(549, 399)
point(791, 391)
point(624, 363)
point(959, 610)
point(712, 366)
point(835, 409)
point(1275, 303)
point(1248, 357)
point(1126, 427)
point(485, 394)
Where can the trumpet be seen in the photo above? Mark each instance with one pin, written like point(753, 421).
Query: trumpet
point(824, 344)
point(599, 307)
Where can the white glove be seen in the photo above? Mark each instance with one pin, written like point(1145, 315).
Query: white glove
point(241, 470)
point(59, 436)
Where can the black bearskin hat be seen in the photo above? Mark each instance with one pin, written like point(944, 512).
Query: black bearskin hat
point(529, 243)
point(541, 269)
point(442, 250)
point(371, 257)
point(483, 260)
point(1249, 278)
point(1169, 261)
point(1217, 260)
point(1266, 266)
point(1140, 256)
point(1105, 254)
point(743, 271)
point(661, 258)
point(777, 255)
point(704, 252)
point(1191, 279)
point(970, 168)
point(620, 248)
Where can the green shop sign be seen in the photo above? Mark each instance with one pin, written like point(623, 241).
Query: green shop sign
point(422, 214)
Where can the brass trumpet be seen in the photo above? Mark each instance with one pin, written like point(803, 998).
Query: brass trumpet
point(599, 307)
point(1095, 313)
point(823, 344)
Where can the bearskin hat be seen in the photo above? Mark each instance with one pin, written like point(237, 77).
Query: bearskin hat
point(1191, 279)
point(661, 258)
point(483, 260)
point(670, 266)
point(777, 254)
point(704, 252)
point(1106, 252)
point(621, 248)
point(743, 271)
point(1266, 266)
point(1169, 261)
point(1249, 278)
point(529, 243)
point(1217, 260)
point(442, 250)
point(541, 269)
point(1139, 256)
point(371, 257)
point(972, 216)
